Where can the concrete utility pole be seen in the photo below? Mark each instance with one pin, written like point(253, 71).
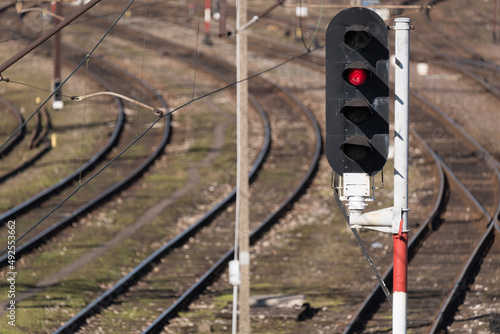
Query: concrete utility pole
point(242, 196)
point(57, 103)
point(401, 128)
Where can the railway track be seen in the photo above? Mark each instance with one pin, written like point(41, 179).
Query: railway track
point(167, 314)
point(459, 207)
point(285, 122)
point(430, 226)
point(15, 210)
point(478, 245)
point(32, 210)
point(483, 185)
point(124, 171)
point(29, 213)
point(276, 100)
point(152, 261)
point(40, 133)
point(452, 242)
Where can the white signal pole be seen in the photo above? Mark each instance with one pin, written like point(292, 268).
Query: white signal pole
point(401, 127)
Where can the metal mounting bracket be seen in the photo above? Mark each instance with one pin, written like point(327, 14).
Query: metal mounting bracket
point(380, 220)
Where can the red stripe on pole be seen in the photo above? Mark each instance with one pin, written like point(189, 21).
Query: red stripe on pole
point(400, 262)
point(207, 16)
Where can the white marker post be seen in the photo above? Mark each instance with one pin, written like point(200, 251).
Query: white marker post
point(400, 231)
point(208, 16)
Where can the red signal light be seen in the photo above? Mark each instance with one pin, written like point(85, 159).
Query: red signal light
point(357, 76)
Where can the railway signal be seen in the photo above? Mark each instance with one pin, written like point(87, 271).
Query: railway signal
point(357, 92)
point(357, 132)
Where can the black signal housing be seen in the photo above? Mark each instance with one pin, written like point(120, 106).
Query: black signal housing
point(357, 92)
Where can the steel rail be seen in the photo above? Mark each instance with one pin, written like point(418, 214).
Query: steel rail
point(477, 59)
point(376, 296)
point(40, 135)
point(7, 6)
point(22, 249)
point(456, 64)
point(363, 313)
point(427, 7)
point(123, 284)
point(495, 222)
point(220, 265)
point(19, 119)
point(36, 128)
point(57, 227)
point(17, 169)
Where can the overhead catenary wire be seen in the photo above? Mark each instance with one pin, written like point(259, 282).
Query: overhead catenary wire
point(317, 25)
